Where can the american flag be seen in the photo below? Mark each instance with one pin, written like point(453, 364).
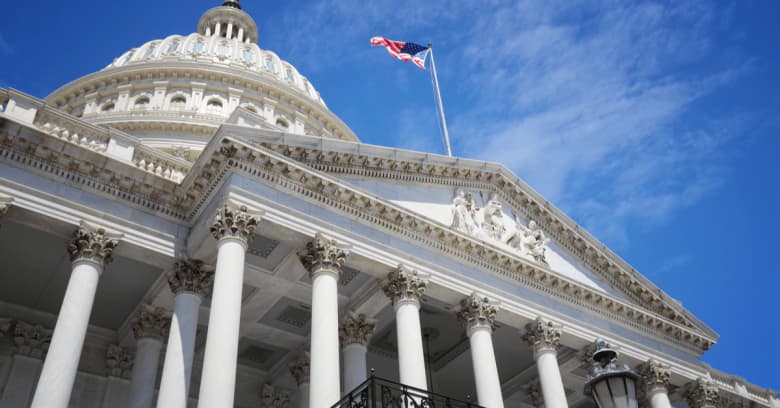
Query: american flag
point(404, 51)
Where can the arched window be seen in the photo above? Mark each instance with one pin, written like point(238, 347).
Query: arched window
point(172, 47)
point(178, 102)
point(141, 101)
point(197, 48)
point(107, 107)
point(282, 123)
point(214, 105)
point(269, 64)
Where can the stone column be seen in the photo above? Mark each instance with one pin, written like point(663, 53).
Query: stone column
point(544, 337)
point(190, 281)
point(30, 345)
point(405, 288)
point(233, 229)
point(478, 314)
point(300, 370)
point(655, 380)
point(149, 327)
point(323, 259)
point(354, 332)
point(119, 366)
point(90, 250)
point(702, 393)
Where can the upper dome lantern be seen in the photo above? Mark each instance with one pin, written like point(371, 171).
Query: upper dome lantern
point(228, 21)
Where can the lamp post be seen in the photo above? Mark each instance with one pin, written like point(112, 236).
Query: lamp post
point(610, 385)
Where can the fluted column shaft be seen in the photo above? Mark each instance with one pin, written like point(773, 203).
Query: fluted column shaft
point(89, 250)
point(544, 337)
point(190, 280)
point(478, 316)
point(323, 259)
point(233, 229)
point(405, 288)
point(354, 333)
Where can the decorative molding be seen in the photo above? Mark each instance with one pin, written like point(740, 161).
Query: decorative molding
point(542, 335)
point(119, 362)
point(274, 397)
point(191, 275)
point(404, 284)
point(151, 322)
point(322, 254)
point(356, 329)
point(232, 223)
point(702, 393)
point(92, 244)
point(31, 339)
point(477, 311)
point(300, 368)
point(655, 375)
point(5, 204)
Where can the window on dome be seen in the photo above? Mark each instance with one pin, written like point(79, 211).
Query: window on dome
point(214, 106)
point(197, 48)
point(172, 47)
point(142, 102)
point(107, 107)
point(306, 87)
point(178, 102)
point(223, 50)
point(269, 64)
point(283, 123)
point(129, 55)
point(249, 57)
point(150, 50)
point(289, 73)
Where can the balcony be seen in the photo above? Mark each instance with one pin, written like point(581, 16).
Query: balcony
point(380, 393)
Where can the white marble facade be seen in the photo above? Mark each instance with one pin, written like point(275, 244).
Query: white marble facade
point(206, 233)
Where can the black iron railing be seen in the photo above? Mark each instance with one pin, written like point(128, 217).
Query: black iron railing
point(380, 393)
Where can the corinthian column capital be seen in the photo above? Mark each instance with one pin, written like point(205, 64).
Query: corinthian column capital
point(151, 322)
point(93, 245)
point(355, 329)
point(300, 368)
point(702, 393)
point(655, 375)
point(477, 311)
point(404, 284)
point(542, 335)
point(119, 362)
point(191, 275)
point(31, 340)
point(322, 254)
point(234, 223)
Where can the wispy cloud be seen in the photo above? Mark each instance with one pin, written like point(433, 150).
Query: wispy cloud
point(589, 101)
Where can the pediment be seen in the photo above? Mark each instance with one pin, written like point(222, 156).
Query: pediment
point(426, 185)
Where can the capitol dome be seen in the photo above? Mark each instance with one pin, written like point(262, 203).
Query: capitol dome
point(173, 93)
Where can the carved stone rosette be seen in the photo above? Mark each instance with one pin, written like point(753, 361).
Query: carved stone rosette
point(476, 311)
point(322, 255)
point(404, 284)
point(655, 375)
point(300, 368)
point(31, 340)
point(151, 322)
point(355, 329)
point(231, 223)
point(94, 245)
point(191, 275)
point(702, 393)
point(119, 362)
point(542, 335)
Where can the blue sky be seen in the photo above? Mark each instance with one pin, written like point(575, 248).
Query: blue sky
point(653, 124)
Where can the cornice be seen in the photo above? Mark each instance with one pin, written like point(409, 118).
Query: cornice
point(280, 171)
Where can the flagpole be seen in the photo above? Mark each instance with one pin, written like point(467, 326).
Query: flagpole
point(439, 104)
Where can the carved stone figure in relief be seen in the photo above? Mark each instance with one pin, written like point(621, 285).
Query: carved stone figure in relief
point(464, 213)
point(535, 242)
point(493, 219)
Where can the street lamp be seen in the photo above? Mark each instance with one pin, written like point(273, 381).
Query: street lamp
point(609, 385)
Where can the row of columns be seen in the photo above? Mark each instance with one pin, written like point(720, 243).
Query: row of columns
point(317, 372)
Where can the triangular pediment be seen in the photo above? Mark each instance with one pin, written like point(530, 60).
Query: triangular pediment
point(426, 185)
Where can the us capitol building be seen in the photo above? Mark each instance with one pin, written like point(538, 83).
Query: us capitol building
point(191, 226)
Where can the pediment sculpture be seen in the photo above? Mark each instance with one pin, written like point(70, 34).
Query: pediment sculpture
point(490, 224)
